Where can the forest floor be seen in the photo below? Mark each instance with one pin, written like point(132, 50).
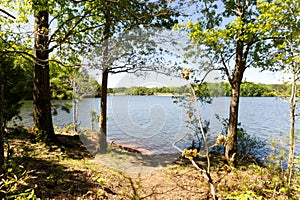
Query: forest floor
point(69, 171)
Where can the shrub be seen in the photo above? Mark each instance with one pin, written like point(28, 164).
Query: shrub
point(247, 145)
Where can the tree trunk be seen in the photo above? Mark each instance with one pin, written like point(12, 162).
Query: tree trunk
point(235, 81)
point(102, 148)
point(292, 128)
point(1, 131)
point(75, 115)
point(75, 106)
point(231, 142)
point(102, 140)
point(41, 89)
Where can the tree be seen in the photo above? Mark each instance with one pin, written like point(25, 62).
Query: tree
point(41, 94)
point(13, 87)
point(42, 99)
point(50, 36)
point(1, 123)
point(230, 34)
point(118, 19)
point(83, 86)
point(14, 84)
point(2, 159)
point(102, 145)
point(75, 26)
point(282, 22)
point(17, 80)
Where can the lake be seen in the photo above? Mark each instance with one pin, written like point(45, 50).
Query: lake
point(154, 122)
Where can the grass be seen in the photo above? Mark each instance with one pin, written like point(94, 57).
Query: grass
point(71, 172)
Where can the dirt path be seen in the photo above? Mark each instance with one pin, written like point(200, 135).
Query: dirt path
point(135, 163)
point(155, 176)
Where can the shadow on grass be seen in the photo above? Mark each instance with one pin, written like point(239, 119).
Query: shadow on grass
point(73, 147)
point(45, 173)
point(53, 180)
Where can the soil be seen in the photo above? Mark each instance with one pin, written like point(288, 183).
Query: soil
point(69, 171)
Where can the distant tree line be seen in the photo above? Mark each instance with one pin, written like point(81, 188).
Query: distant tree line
point(248, 89)
point(61, 90)
point(134, 90)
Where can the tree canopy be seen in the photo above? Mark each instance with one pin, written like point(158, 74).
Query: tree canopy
point(230, 34)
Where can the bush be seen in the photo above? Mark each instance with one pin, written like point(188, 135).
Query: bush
point(17, 78)
point(247, 145)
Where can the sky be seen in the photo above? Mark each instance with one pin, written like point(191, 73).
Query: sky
point(159, 80)
point(152, 80)
point(268, 77)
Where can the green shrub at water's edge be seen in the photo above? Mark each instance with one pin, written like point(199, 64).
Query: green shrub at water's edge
point(247, 145)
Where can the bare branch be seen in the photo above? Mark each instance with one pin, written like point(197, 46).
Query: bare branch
point(238, 13)
point(66, 36)
point(20, 52)
point(205, 172)
point(5, 12)
point(63, 64)
point(226, 70)
point(180, 139)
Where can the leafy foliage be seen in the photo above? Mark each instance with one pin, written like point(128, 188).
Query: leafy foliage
point(14, 184)
point(221, 24)
point(16, 76)
point(281, 21)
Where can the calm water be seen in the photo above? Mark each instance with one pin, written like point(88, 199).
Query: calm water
point(153, 122)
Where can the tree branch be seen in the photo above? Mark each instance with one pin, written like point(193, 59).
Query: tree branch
point(70, 32)
point(7, 13)
point(225, 69)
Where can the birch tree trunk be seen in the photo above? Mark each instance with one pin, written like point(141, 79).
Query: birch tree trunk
point(292, 128)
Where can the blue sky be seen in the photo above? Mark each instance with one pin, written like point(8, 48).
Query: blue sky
point(128, 80)
point(254, 75)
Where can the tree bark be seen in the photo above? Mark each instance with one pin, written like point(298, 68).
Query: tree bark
point(292, 128)
point(236, 81)
point(1, 131)
point(102, 141)
point(41, 89)
point(75, 105)
point(75, 115)
point(102, 134)
point(231, 142)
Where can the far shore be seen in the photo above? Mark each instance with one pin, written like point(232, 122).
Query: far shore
point(156, 94)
